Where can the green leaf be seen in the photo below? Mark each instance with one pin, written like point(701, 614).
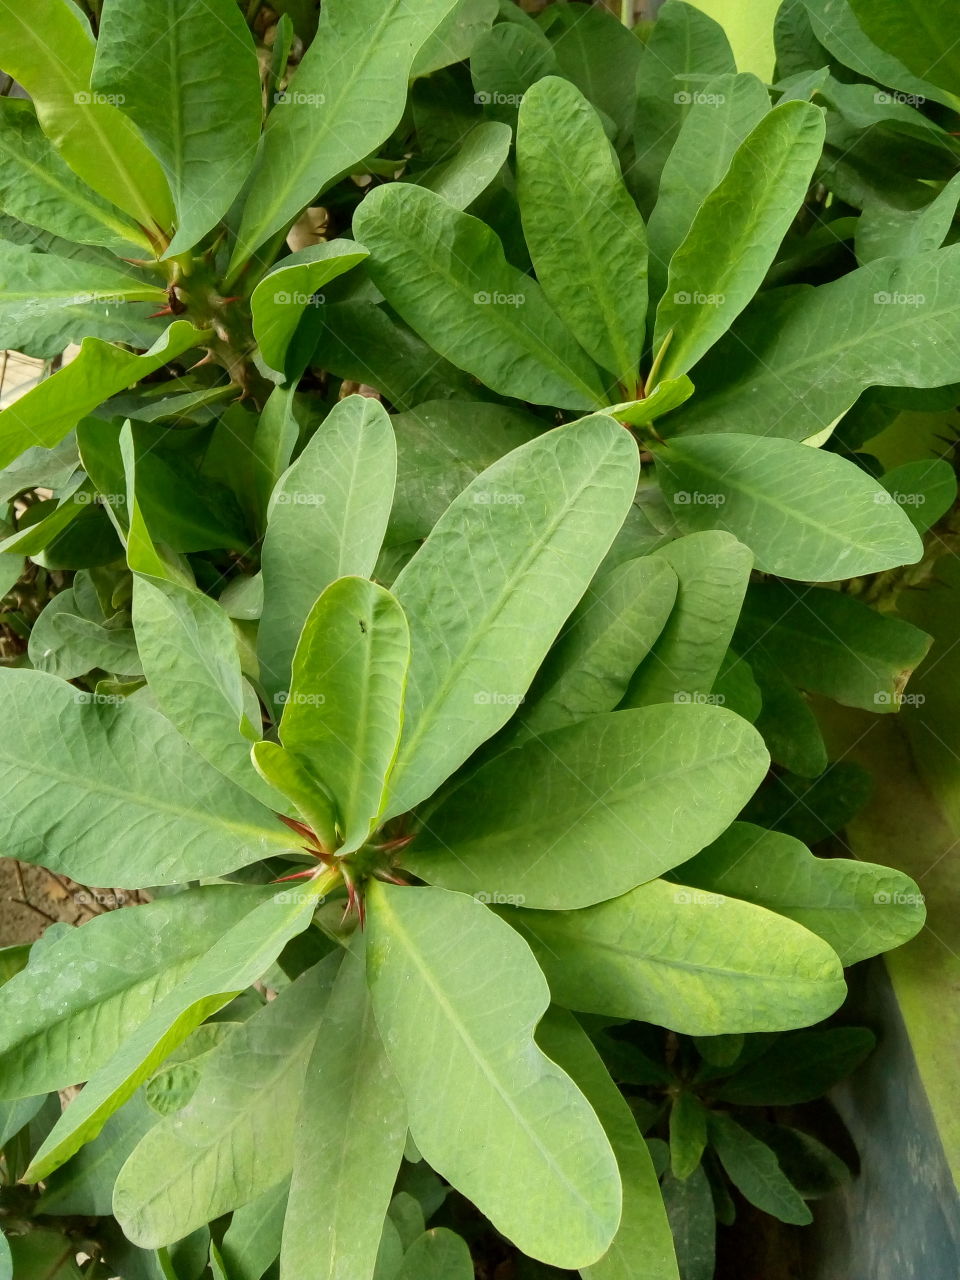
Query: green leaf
point(196, 99)
point(590, 811)
point(859, 908)
point(452, 283)
point(488, 1111)
point(111, 794)
point(42, 1254)
point(688, 1134)
point(280, 299)
point(273, 444)
point(251, 1243)
point(803, 513)
point(362, 53)
point(291, 776)
point(489, 590)
point(800, 358)
point(713, 570)
point(326, 520)
point(643, 1237)
point(50, 52)
point(172, 1087)
point(37, 187)
point(828, 642)
point(665, 397)
point(81, 996)
point(695, 962)
point(63, 643)
point(886, 231)
point(454, 38)
point(690, 1209)
point(239, 958)
point(601, 57)
point(755, 1171)
point(736, 232)
point(924, 490)
point(242, 1118)
point(47, 412)
point(575, 208)
point(439, 1254)
point(906, 33)
point(481, 156)
point(343, 716)
point(799, 1067)
point(720, 117)
point(6, 1260)
point(610, 632)
point(505, 63)
point(350, 1131)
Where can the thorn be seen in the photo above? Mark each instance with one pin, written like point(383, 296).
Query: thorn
point(391, 846)
point(207, 359)
point(167, 311)
point(301, 828)
point(299, 875)
point(390, 879)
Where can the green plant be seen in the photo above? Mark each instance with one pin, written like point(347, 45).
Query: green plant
point(486, 681)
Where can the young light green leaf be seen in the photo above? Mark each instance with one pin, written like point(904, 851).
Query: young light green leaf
point(643, 1237)
point(609, 634)
point(50, 52)
point(239, 958)
point(362, 53)
point(859, 908)
point(344, 712)
point(590, 811)
point(326, 520)
point(452, 283)
point(439, 1254)
point(196, 99)
point(575, 208)
point(800, 358)
point(754, 1170)
point(665, 397)
point(695, 962)
point(804, 513)
point(47, 412)
point(280, 299)
point(37, 187)
point(487, 1109)
point(112, 794)
point(290, 775)
point(350, 1132)
point(489, 590)
point(481, 156)
point(78, 999)
point(828, 642)
point(734, 236)
point(713, 570)
point(242, 1117)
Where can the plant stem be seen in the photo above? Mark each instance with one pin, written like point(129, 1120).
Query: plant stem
point(626, 13)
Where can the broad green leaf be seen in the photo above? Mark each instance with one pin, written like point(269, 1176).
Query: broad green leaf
point(643, 1237)
point(272, 447)
point(326, 520)
point(828, 642)
point(172, 1087)
point(688, 1134)
point(49, 50)
point(787, 721)
point(82, 995)
point(804, 513)
point(488, 592)
point(798, 1067)
point(189, 652)
point(588, 812)
point(721, 116)
point(362, 53)
point(504, 64)
point(800, 358)
point(251, 1243)
point(686, 49)
point(600, 56)
point(454, 38)
point(736, 689)
point(47, 412)
point(695, 962)
point(736, 232)
point(64, 643)
point(575, 209)
point(610, 632)
point(754, 1170)
point(111, 794)
point(812, 1168)
point(487, 1109)
point(240, 957)
point(343, 716)
point(37, 187)
point(48, 302)
point(40, 1254)
point(351, 1130)
point(690, 1209)
point(235, 1139)
point(452, 283)
point(886, 231)
point(407, 1216)
point(838, 28)
point(924, 490)
point(280, 299)
point(439, 1254)
point(196, 97)
point(861, 909)
point(713, 570)
point(482, 155)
